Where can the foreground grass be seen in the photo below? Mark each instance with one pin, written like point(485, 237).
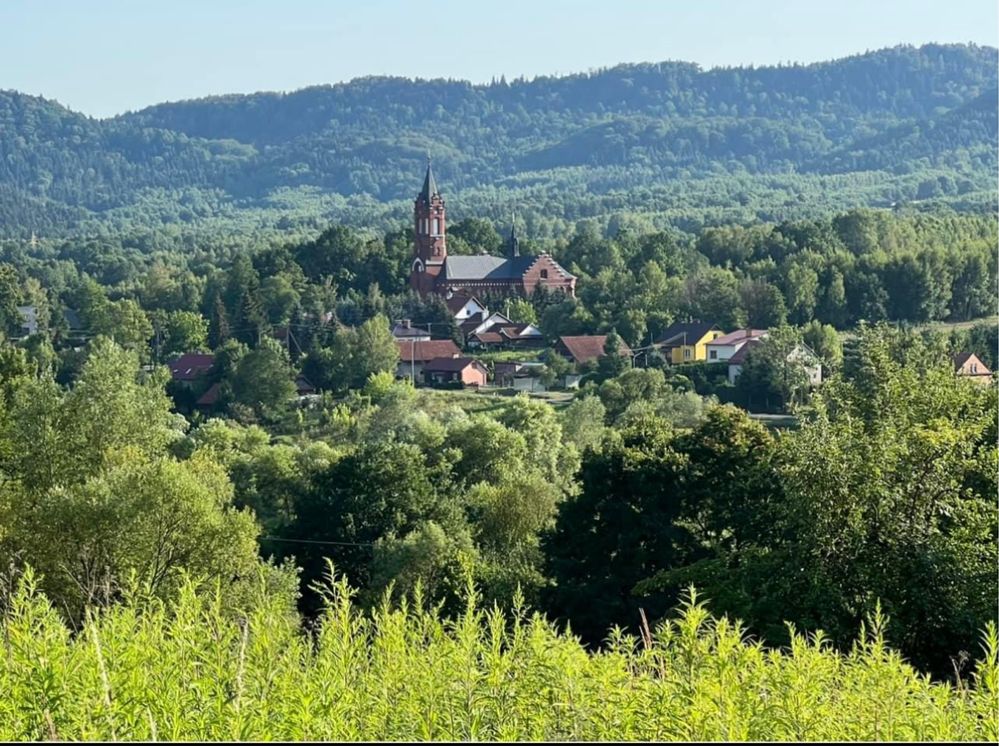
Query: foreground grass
point(192, 670)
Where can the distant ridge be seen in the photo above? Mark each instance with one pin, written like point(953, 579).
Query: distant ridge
point(568, 140)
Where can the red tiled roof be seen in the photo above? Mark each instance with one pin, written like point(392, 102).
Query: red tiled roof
point(450, 364)
point(191, 366)
point(422, 351)
point(488, 337)
point(588, 347)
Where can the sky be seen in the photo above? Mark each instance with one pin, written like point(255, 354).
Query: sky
point(105, 57)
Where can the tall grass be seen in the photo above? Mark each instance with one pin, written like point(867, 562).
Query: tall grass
point(193, 669)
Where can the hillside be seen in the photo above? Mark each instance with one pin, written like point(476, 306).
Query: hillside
point(670, 140)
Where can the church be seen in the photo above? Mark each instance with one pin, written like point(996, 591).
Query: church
point(433, 271)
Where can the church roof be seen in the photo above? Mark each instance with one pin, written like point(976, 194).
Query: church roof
point(429, 185)
point(486, 267)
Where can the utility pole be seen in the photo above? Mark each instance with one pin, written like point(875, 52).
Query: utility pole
point(412, 360)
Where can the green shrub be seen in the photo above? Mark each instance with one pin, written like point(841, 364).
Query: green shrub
point(189, 669)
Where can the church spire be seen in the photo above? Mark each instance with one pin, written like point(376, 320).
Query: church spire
point(513, 243)
point(429, 183)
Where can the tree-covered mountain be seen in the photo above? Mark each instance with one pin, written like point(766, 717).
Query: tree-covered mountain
point(674, 141)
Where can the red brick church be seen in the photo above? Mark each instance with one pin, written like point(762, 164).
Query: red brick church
point(433, 271)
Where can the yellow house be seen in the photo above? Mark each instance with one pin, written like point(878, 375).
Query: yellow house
point(686, 343)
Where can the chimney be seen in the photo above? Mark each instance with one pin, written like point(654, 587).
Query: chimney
point(408, 323)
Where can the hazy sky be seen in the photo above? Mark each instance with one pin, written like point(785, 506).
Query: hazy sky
point(104, 57)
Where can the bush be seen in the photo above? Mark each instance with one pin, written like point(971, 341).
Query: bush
point(187, 669)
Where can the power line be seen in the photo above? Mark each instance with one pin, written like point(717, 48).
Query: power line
point(316, 541)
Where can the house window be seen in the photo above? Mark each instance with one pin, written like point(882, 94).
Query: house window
point(974, 367)
point(544, 274)
point(713, 354)
point(686, 353)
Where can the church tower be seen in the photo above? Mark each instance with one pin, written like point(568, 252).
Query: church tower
point(429, 245)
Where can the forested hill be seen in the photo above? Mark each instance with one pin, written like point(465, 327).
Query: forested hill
point(668, 141)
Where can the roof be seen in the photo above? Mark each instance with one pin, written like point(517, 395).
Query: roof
point(429, 184)
point(401, 330)
point(488, 337)
point(738, 336)
point(210, 397)
point(459, 300)
point(424, 350)
point(743, 352)
point(588, 347)
point(960, 358)
point(694, 331)
point(520, 331)
point(450, 364)
point(191, 366)
point(486, 267)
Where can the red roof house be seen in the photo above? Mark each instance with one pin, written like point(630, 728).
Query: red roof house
point(191, 366)
point(584, 348)
point(452, 369)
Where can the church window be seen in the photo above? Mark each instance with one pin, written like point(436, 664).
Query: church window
point(437, 226)
point(544, 274)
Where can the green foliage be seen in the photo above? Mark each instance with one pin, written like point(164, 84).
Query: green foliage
point(884, 495)
point(263, 380)
point(187, 670)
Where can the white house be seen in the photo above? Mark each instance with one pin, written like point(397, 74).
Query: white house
point(801, 353)
point(463, 306)
point(724, 347)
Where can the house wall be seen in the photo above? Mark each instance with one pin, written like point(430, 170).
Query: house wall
point(698, 351)
point(473, 375)
point(404, 370)
point(975, 370)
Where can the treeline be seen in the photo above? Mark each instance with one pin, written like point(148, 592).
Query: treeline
point(894, 125)
point(856, 266)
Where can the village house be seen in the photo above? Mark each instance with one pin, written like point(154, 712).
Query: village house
point(968, 365)
point(507, 336)
point(191, 367)
point(464, 306)
point(723, 347)
point(801, 353)
point(520, 376)
point(404, 329)
point(464, 370)
point(415, 354)
point(687, 342)
point(582, 349)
